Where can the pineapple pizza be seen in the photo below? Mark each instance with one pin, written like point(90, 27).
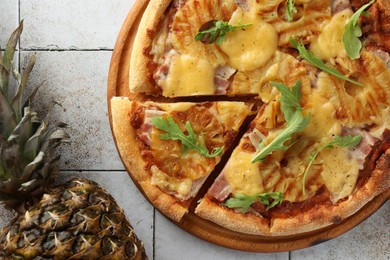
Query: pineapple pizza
point(283, 106)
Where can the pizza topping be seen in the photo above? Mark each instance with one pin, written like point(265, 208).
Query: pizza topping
point(217, 33)
point(220, 190)
point(292, 112)
point(188, 75)
point(341, 141)
point(290, 9)
point(352, 32)
point(190, 141)
point(180, 187)
point(364, 148)
point(162, 71)
point(308, 56)
point(376, 26)
point(242, 46)
point(340, 5)
point(328, 44)
point(221, 79)
point(243, 202)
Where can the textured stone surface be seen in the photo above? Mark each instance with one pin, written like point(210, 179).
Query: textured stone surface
point(78, 80)
point(369, 240)
point(8, 19)
point(172, 243)
point(72, 24)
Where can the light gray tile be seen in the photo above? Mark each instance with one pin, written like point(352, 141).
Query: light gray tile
point(173, 243)
point(369, 240)
point(75, 24)
point(78, 80)
point(8, 20)
point(138, 210)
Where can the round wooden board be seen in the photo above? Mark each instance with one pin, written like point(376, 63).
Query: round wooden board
point(118, 86)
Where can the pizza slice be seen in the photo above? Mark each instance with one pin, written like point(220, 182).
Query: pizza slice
point(171, 148)
point(215, 47)
point(302, 166)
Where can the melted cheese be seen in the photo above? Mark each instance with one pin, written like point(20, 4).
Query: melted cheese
point(323, 122)
point(230, 113)
point(340, 172)
point(181, 187)
point(242, 175)
point(329, 43)
point(189, 76)
point(251, 47)
point(179, 107)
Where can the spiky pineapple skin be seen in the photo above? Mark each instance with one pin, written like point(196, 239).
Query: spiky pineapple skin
point(77, 221)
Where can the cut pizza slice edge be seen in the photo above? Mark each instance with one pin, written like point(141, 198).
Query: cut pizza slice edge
point(338, 184)
point(171, 148)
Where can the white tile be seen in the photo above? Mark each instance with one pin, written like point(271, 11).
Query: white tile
point(78, 80)
point(8, 19)
point(86, 24)
point(172, 243)
point(138, 210)
point(369, 240)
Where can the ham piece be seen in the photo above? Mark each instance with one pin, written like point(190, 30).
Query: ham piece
point(220, 189)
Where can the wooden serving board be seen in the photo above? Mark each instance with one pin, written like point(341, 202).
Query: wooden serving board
point(118, 79)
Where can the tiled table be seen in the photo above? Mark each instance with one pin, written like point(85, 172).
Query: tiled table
point(74, 40)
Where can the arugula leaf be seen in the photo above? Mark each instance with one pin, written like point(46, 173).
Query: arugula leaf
point(308, 55)
point(243, 201)
point(218, 32)
point(290, 9)
point(173, 132)
point(341, 141)
point(292, 112)
point(352, 32)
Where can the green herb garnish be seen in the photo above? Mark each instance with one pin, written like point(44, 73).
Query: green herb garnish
point(341, 141)
point(173, 132)
point(292, 112)
point(243, 202)
point(290, 9)
point(308, 55)
point(352, 32)
point(218, 32)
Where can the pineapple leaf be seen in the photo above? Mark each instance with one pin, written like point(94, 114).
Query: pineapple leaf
point(32, 166)
point(31, 96)
point(7, 117)
point(11, 46)
point(22, 81)
point(8, 58)
point(24, 129)
point(31, 147)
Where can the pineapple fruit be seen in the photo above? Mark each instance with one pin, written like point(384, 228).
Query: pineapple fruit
point(77, 220)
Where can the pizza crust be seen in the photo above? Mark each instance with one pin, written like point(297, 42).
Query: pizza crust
point(139, 72)
point(228, 218)
point(318, 217)
point(131, 156)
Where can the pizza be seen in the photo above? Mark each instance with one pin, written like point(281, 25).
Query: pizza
point(266, 117)
point(168, 171)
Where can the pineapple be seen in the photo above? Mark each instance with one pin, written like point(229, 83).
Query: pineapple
point(77, 220)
